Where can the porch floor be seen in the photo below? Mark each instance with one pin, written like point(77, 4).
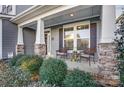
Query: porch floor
point(83, 65)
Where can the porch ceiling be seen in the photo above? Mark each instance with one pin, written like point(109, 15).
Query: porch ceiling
point(80, 13)
point(46, 12)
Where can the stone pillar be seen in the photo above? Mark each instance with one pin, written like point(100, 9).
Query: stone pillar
point(40, 46)
point(19, 49)
point(107, 63)
point(40, 49)
point(20, 44)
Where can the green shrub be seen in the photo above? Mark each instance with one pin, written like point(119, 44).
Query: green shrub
point(119, 42)
point(14, 77)
point(40, 84)
point(30, 63)
point(78, 78)
point(53, 71)
point(121, 70)
point(14, 60)
point(22, 59)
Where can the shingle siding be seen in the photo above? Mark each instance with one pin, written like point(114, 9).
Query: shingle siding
point(9, 36)
point(0, 38)
point(29, 41)
point(20, 8)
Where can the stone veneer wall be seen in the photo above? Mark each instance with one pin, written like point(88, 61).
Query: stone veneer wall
point(40, 49)
point(19, 49)
point(107, 64)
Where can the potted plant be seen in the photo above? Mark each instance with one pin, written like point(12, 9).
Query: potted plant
point(75, 55)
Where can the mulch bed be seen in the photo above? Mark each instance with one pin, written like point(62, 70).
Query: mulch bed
point(105, 82)
point(2, 66)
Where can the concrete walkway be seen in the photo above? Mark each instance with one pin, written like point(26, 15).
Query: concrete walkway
point(83, 65)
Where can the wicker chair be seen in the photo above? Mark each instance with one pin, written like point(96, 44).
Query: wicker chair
point(88, 54)
point(61, 52)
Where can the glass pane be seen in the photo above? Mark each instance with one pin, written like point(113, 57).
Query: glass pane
point(68, 38)
point(69, 29)
point(69, 35)
point(82, 43)
point(69, 44)
point(81, 27)
point(83, 34)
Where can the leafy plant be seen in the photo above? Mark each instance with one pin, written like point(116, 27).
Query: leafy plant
point(40, 84)
point(120, 46)
point(78, 78)
point(14, 77)
point(14, 60)
point(53, 71)
point(31, 63)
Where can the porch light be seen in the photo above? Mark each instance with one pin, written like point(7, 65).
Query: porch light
point(71, 14)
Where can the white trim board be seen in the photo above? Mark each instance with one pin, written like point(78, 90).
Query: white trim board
point(0, 38)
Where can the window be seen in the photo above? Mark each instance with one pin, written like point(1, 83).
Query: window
point(77, 37)
point(68, 38)
point(6, 9)
point(83, 37)
point(9, 8)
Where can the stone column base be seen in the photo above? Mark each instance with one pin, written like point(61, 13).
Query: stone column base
point(107, 64)
point(19, 49)
point(40, 49)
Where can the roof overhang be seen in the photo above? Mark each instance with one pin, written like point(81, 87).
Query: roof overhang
point(6, 16)
point(37, 12)
point(32, 12)
point(44, 12)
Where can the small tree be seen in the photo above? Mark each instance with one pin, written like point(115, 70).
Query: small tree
point(120, 45)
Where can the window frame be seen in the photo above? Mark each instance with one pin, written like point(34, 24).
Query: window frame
point(74, 25)
point(64, 35)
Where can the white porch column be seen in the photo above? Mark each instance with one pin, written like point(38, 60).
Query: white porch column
point(20, 35)
point(20, 43)
point(108, 23)
point(40, 32)
point(106, 49)
point(40, 46)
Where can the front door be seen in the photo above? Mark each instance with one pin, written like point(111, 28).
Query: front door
point(47, 42)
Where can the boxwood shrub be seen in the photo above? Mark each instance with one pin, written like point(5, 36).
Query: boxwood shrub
point(78, 78)
point(30, 63)
point(14, 60)
point(53, 71)
point(121, 70)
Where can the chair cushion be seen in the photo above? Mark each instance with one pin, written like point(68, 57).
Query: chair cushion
point(60, 53)
point(84, 55)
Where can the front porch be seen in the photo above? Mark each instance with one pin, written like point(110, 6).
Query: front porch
point(59, 31)
point(74, 28)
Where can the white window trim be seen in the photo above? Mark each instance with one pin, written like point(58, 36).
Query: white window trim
point(0, 38)
point(14, 9)
point(75, 31)
point(49, 29)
